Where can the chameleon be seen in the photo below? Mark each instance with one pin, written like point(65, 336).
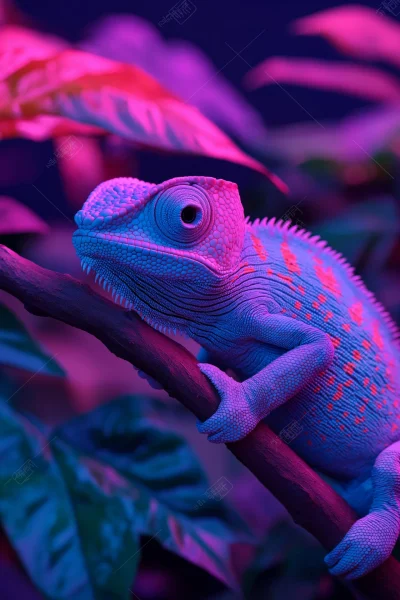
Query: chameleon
point(311, 349)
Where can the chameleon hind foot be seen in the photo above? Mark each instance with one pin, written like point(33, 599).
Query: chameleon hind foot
point(367, 544)
point(371, 539)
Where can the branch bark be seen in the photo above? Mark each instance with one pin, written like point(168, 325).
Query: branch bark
point(311, 502)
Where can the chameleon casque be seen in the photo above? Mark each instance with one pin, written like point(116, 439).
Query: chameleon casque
point(306, 339)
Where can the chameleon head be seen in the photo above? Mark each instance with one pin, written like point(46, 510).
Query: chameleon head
point(141, 238)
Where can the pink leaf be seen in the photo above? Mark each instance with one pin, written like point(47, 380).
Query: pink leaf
point(357, 80)
point(119, 98)
point(356, 30)
point(183, 68)
point(17, 218)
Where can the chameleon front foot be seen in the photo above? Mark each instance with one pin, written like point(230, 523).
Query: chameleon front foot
point(233, 419)
point(368, 543)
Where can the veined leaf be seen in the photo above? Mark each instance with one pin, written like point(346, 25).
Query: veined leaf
point(356, 30)
point(105, 516)
point(356, 80)
point(117, 97)
point(172, 500)
point(36, 513)
point(18, 349)
point(73, 534)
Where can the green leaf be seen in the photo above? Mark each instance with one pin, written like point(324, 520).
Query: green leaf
point(105, 519)
point(36, 513)
point(172, 500)
point(18, 349)
point(65, 516)
point(365, 234)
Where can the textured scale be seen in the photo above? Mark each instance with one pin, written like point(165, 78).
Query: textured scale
point(316, 355)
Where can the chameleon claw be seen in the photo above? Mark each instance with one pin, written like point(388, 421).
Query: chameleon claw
point(233, 419)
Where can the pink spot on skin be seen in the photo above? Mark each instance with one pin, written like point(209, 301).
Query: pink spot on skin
point(355, 312)
point(308, 316)
point(394, 427)
point(317, 389)
point(302, 290)
point(290, 259)
point(331, 380)
point(339, 392)
point(346, 414)
point(315, 305)
point(328, 316)
point(366, 381)
point(346, 327)
point(249, 270)
point(330, 406)
point(359, 420)
point(270, 272)
point(361, 408)
point(342, 427)
point(373, 389)
point(258, 247)
point(366, 344)
point(322, 298)
point(285, 278)
point(349, 368)
point(357, 355)
point(297, 305)
point(335, 342)
point(327, 277)
point(376, 335)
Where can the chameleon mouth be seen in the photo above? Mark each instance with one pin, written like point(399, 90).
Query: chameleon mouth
point(82, 236)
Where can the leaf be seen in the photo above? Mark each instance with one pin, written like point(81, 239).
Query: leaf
point(18, 349)
point(356, 30)
point(15, 217)
point(105, 518)
point(74, 537)
point(172, 500)
point(356, 80)
point(365, 234)
point(43, 127)
point(356, 138)
point(182, 68)
point(119, 98)
point(36, 514)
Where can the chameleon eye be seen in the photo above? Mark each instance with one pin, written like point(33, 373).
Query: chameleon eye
point(189, 214)
point(183, 213)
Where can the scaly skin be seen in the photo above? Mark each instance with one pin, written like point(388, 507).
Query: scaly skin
point(315, 353)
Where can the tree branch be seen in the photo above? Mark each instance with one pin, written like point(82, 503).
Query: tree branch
point(311, 502)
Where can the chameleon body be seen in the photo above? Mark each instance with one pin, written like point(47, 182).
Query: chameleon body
point(314, 353)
